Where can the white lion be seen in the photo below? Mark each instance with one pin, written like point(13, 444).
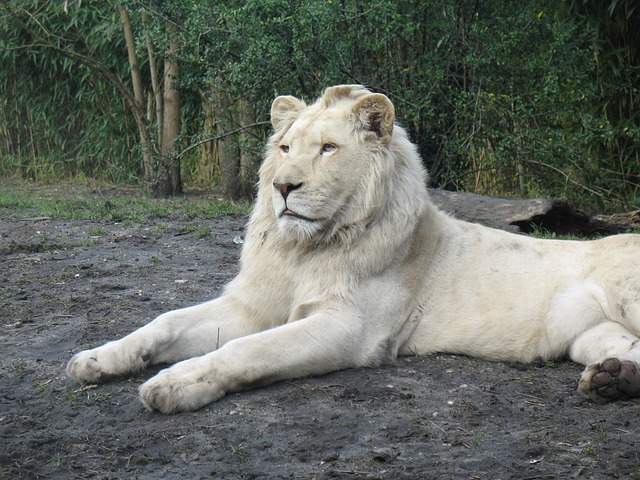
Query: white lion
point(347, 263)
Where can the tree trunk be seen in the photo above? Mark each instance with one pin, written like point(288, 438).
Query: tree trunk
point(227, 146)
point(136, 78)
point(208, 150)
point(248, 167)
point(229, 161)
point(155, 84)
point(168, 181)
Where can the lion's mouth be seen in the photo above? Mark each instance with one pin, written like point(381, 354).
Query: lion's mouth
point(287, 212)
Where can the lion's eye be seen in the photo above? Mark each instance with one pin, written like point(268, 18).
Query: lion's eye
point(328, 148)
point(284, 148)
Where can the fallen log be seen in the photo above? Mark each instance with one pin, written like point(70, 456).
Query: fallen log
point(554, 216)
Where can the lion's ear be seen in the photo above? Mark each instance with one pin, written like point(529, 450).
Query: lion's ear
point(375, 113)
point(285, 110)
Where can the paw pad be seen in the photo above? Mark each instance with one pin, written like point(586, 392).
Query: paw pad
point(615, 379)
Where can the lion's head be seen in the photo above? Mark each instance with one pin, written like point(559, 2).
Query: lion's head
point(328, 170)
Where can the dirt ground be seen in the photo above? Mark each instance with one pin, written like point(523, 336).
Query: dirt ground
point(71, 285)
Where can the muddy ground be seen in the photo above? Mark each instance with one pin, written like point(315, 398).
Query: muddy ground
point(71, 285)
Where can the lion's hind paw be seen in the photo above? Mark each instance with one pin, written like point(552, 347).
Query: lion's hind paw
point(611, 379)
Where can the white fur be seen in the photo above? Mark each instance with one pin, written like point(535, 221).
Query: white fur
point(374, 270)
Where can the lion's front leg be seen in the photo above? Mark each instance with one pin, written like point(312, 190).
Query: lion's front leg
point(310, 346)
point(612, 356)
point(172, 337)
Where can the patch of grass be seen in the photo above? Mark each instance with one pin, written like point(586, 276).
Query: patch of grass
point(97, 232)
point(64, 276)
point(603, 436)
point(64, 202)
point(477, 438)
point(161, 227)
point(588, 450)
point(84, 243)
point(84, 396)
point(189, 229)
point(57, 461)
point(539, 232)
point(204, 232)
point(237, 450)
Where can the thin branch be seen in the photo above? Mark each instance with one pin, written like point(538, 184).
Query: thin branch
point(219, 137)
point(566, 176)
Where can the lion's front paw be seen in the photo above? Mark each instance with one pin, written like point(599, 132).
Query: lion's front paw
point(180, 389)
point(611, 379)
point(102, 363)
point(90, 366)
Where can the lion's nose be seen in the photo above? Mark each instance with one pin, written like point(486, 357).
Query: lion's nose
point(286, 188)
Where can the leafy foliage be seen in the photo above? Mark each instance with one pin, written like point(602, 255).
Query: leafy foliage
point(502, 97)
point(58, 118)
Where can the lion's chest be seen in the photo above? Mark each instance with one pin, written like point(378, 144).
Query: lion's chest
point(285, 287)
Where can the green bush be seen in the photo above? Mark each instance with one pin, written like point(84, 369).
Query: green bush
point(502, 97)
